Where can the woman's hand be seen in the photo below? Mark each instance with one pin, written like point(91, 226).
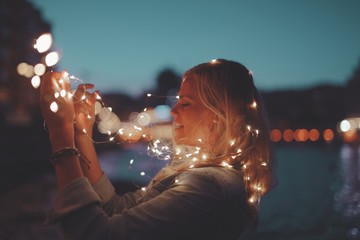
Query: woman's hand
point(84, 104)
point(57, 107)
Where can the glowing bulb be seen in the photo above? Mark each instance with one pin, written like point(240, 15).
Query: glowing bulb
point(253, 105)
point(214, 61)
point(131, 161)
point(63, 93)
point(84, 130)
point(142, 173)
point(177, 151)
point(143, 189)
point(43, 43)
point(232, 143)
point(149, 94)
point(51, 59)
point(176, 180)
point(257, 188)
point(39, 69)
point(57, 95)
point(54, 107)
point(137, 128)
point(66, 75)
point(35, 81)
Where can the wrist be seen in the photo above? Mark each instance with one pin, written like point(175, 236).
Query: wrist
point(62, 137)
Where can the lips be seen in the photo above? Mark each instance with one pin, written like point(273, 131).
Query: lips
point(178, 125)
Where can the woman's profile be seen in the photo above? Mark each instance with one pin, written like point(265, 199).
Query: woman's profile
point(212, 187)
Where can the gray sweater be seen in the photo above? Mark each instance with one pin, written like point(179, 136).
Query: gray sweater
point(200, 203)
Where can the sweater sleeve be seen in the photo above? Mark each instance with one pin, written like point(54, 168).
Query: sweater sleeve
point(191, 205)
point(110, 201)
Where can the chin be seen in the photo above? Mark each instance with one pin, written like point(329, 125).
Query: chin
point(187, 142)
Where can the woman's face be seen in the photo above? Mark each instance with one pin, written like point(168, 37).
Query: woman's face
point(192, 120)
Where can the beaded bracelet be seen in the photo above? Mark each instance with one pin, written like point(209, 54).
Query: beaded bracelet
point(66, 152)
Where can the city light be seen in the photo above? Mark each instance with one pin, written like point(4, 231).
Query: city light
point(301, 135)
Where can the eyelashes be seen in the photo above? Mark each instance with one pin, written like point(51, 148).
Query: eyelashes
point(184, 105)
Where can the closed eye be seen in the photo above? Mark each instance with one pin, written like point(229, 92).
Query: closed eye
point(184, 104)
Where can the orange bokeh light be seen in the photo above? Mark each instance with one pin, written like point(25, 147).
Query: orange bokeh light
point(275, 135)
point(288, 135)
point(328, 135)
point(302, 135)
point(314, 135)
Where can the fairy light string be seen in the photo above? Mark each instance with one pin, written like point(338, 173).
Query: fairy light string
point(118, 132)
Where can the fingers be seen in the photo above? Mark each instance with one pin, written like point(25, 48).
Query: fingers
point(58, 84)
point(82, 94)
point(85, 109)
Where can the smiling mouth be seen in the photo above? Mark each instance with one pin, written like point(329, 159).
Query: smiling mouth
point(178, 125)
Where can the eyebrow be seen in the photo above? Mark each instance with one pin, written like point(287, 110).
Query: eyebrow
point(185, 96)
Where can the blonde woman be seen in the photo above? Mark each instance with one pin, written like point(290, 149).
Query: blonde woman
point(210, 190)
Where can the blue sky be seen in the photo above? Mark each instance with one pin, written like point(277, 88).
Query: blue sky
point(121, 45)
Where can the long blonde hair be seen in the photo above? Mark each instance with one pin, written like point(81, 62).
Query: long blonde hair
point(227, 89)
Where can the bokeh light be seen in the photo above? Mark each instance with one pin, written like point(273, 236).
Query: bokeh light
point(43, 43)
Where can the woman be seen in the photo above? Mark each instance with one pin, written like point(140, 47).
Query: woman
point(211, 191)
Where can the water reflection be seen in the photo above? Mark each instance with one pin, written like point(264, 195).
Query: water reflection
point(347, 199)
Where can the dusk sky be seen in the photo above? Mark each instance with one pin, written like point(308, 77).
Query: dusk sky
point(121, 45)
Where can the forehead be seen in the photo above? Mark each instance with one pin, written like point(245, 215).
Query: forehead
point(187, 88)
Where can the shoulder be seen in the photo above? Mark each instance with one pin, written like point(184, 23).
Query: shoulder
point(219, 180)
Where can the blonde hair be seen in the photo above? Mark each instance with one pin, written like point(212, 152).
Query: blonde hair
point(227, 89)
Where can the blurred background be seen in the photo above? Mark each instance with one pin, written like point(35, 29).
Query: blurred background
point(305, 57)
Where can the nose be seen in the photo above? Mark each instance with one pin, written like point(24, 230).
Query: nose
point(174, 110)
